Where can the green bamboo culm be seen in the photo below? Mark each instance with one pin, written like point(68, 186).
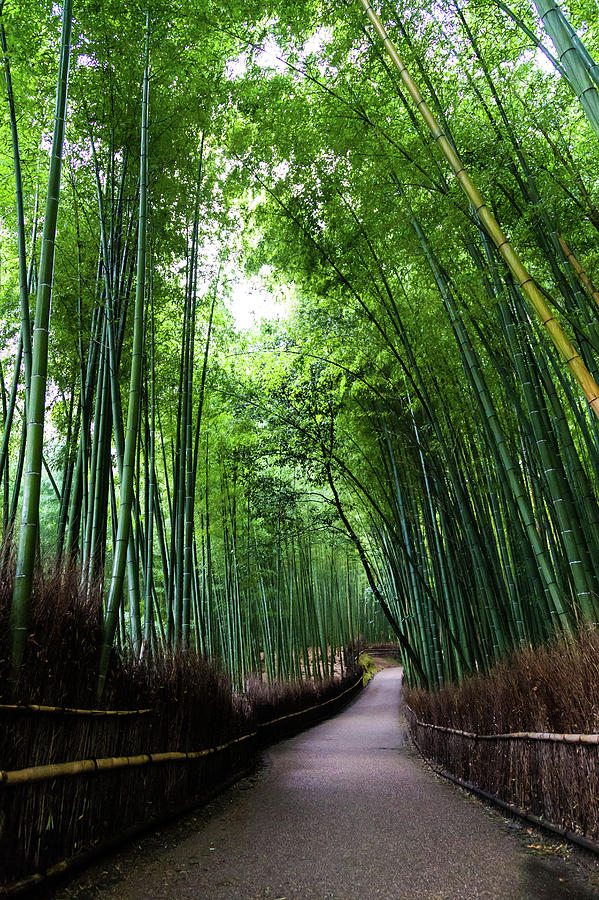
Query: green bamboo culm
point(39, 366)
point(135, 383)
point(580, 67)
point(22, 253)
point(522, 276)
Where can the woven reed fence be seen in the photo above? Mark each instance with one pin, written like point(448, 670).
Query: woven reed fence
point(554, 777)
point(121, 774)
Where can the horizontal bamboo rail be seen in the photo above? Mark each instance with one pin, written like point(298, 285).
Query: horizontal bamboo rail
point(513, 735)
point(108, 763)
point(113, 842)
point(558, 830)
point(71, 711)
point(310, 708)
point(32, 774)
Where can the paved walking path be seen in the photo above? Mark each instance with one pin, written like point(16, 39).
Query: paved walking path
point(348, 811)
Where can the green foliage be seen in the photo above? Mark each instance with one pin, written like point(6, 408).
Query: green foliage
point(368, 667)
point(386, 440)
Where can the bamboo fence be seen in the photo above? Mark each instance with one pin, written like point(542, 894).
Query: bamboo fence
point(567, 738)
point(94, 765)
point(549, 778)
point(61, 812)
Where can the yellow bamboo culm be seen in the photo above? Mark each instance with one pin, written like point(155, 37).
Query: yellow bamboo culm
point(490, 223)
point(109, 763)
point(70, 710)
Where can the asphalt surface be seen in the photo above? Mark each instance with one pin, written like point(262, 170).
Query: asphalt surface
point(346, 811)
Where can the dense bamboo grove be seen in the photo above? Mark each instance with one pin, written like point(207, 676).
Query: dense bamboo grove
point(413, 451)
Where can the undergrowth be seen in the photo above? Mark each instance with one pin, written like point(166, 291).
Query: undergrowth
point(368, 667)
point(553, 688)
point(190, 703)
point(61, 659)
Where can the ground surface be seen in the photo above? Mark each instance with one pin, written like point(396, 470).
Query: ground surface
point(344, 811)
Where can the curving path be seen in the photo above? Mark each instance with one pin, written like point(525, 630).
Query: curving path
point(345, 811)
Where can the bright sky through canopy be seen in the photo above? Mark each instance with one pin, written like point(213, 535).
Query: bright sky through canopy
point(251, 301)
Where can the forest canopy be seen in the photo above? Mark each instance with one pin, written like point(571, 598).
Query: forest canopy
point(413, 450)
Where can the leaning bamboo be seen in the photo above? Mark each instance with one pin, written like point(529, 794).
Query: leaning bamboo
point(19, 208)
point(577, 67)
point(523, 277)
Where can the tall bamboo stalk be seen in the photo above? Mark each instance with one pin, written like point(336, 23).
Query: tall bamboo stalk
point(128, 470)
point(29, 532)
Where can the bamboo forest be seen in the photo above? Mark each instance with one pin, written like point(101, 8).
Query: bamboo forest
point(299, 371)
